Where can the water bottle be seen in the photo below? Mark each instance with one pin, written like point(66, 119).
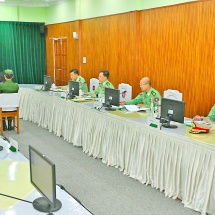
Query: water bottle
point(159, 109)
point(80, 93)
point(100, 100)
point(152, 107)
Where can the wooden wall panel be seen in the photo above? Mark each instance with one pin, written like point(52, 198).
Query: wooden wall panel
point(172, 45)
point(109, 43)
point(177, 50)
point(205, 81)
point(59, 31)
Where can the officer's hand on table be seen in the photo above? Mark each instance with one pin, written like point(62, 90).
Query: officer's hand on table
point(121, 103)
point(210, 121)
point(141, 105)
point(197, 118)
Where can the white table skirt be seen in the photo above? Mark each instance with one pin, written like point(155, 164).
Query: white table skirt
point(180, 167)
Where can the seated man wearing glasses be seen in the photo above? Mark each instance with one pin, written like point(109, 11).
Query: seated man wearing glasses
point(144, 98)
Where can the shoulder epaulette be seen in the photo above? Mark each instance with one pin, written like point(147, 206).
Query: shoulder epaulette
point(153, 93)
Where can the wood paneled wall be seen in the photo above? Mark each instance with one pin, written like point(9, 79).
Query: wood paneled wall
point(108, 43)
point(59, 31)
point(173, 45)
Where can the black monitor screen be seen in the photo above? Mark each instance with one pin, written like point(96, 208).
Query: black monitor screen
point(111, 98)
point(74, 88)
point(47, 82)
point(172, 110)
point(43, 178)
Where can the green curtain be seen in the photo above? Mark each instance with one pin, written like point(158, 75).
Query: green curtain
point(22, 49)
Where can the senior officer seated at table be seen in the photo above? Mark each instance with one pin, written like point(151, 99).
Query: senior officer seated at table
point(74, 75)
point(144, 98)
point(210, 118)
point(8, 87)
point(103, 83)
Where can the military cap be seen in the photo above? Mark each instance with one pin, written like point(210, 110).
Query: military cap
point(8, 71)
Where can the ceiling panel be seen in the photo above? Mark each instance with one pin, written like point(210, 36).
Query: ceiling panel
point(31, 3)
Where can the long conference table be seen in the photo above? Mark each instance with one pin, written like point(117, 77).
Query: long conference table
point(180, 164)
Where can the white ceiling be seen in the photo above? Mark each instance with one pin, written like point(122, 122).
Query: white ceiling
point(31, 3)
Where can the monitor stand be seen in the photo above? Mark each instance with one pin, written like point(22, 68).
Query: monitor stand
point(42, 205)
point(167, 125)
point(70, 96)
point(108, 106)
point(45, 88)
point(110, 109)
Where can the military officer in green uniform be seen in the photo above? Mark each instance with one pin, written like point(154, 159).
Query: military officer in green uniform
point(144, 98)
point(74, 74)
point(103, 83)
point(8, 87)
point(210, 118)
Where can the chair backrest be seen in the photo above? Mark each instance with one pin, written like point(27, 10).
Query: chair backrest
point(9, 101)
point(125, 92)
point(94, 83)
point(173, 94)
point(2, 79)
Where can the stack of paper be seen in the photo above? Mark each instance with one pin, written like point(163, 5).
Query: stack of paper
point(135, 108)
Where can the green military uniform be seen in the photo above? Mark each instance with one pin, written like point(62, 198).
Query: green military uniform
point(145, 98)
point(82, 84)
point(101, 88)
point(9, 87)
point(211, 114)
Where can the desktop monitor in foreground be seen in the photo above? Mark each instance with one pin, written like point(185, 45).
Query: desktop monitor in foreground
point(171, 110)
point(73, 89)
point(47, 82)
point(43, 178)
point(111, 98)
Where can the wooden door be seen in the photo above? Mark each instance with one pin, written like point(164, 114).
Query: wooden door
point(60, 61)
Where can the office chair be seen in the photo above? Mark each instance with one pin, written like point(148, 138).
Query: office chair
point(125, 92)
point(9, 107)
point(173, 94)
point(94, 83)
point(2, 79)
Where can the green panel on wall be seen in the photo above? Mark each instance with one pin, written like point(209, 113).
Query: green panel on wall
point(64, 12)
point(79, 9)
point(8, 13)
point(96, 8)
point(31, 14)
point(145, 4)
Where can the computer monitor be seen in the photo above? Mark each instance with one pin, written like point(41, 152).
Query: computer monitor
point(47, 82)
point(111, 98)
point(43, 178)
point(73, 89)
point(2, 79)
point(171, 110)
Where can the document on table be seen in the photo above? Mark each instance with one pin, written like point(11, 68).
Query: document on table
point(135, 108)
point(83, 99)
